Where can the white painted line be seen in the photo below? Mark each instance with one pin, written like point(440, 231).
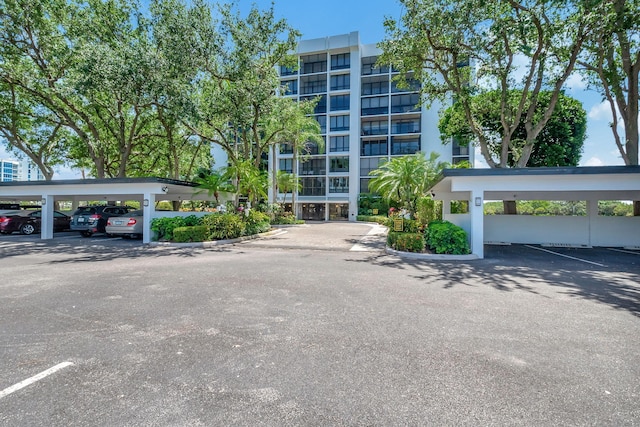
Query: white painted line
point(566, 256)
point(371, 237)
point(22, 384)
point(623, 251)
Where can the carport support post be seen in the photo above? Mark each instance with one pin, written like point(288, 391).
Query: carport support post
point(476, 209)
point(147, 209)
point(46, 221)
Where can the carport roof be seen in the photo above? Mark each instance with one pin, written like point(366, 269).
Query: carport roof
point(99, 189)
point(553, 183)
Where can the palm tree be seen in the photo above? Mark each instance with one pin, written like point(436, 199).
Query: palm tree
point(287, 183)
point(250, 181)
point(214, 183)
point(405, 179)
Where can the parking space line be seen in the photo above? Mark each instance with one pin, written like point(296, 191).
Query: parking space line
point(22, 384)
point(623, 251)
point(566, 256)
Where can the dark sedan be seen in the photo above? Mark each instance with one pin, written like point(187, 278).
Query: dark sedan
point(28, 222)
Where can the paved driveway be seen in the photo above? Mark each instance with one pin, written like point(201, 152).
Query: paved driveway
point(290, 332)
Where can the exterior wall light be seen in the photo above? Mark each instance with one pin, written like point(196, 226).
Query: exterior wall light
point(478, 201)
point(43, 202)
point(145, 202)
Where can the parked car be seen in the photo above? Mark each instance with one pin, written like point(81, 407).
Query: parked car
point(28, 222)
point(126, 225)
point(93, 219)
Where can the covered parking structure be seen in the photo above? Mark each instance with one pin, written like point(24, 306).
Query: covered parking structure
point(145, 190)
point(589, 184)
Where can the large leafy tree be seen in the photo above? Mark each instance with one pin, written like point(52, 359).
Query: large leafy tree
point(558, 144)
point(612, 64)
point(458, 49)
point(236, 102)
point(406, 179)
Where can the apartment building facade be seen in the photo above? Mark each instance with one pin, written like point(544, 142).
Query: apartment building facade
point(365, 119)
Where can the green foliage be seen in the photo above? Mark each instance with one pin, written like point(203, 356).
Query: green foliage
point(428, 210)
point(540, 207)
point(405, 179)
point(257, 222)
point(406, 242)
point(223, 226)
point(164, 227)
point(196, 233)
point(615, 208)
point(408, 225)
point(443, 237)
point(559, 143)
point(368, 204)
point(382, 220)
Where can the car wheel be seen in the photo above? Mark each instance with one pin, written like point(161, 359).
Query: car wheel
point(27, 229)
point(86, 233)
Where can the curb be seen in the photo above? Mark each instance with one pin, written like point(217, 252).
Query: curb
point(214, 243)
point(432, 257)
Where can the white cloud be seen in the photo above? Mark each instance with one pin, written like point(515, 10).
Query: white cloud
point(601, 111)
point(593, 161)
point(575, 82)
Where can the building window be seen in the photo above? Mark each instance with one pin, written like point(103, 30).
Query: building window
point(374, 147)
point(375, 127)
point(286, 71)
point(339, 164)
point(370, 164)
point(313, 167)
point(341, 82)
point(339, 123)
point(405, 126)
point(375, 106)
point(338, 184)
point(340, 61)
point(310, 64)
point(286, 165)
point(339, 143)
point(364, 185)
point(340, 102)
point(290, 87)
point(375, 85)
point(286, 148)
point(311, 148)
point(322, 121)
point(312, 187)
point(369, 66)
point(413, 86)
point(313, 84)
point(405, 145)
point(405, 103)
point(321, 106)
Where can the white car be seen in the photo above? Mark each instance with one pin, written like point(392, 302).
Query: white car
point(128, 225)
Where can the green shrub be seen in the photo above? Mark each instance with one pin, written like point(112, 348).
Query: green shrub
point(443, 237)
point(195, 233)
point(164, 227)
point(284, 218)
point(406, 242)
point(224, 226)
point(256, 222)
point(408, 225)
point(428, 210)
point(373, 218)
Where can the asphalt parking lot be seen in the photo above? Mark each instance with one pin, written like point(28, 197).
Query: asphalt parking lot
point(315, 326)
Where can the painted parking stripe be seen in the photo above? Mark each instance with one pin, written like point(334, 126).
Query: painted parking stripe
point(566, 256)
point(623, 251)
point(22, 384)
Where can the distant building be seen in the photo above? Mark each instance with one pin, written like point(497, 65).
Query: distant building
point(19, 170)
point(365, 119)
point(10, 170)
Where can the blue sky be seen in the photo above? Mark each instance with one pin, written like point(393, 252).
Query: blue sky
point(332, 17)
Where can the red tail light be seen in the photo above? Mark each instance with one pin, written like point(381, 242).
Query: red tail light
point(132, 221)
point(108, 222)
point(95, 216)
point(4, 219)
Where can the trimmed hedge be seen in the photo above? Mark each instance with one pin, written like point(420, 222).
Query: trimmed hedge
point(196, 233)
point(164, 227)
point(443, 237)
point(406, 242)
point(380, 219)
point(223, 226)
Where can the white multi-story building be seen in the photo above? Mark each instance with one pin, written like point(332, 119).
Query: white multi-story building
point(365, 119)
point(9, 170)
point(19, 170)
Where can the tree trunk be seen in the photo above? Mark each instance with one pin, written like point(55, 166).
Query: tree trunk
point(510, 207)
